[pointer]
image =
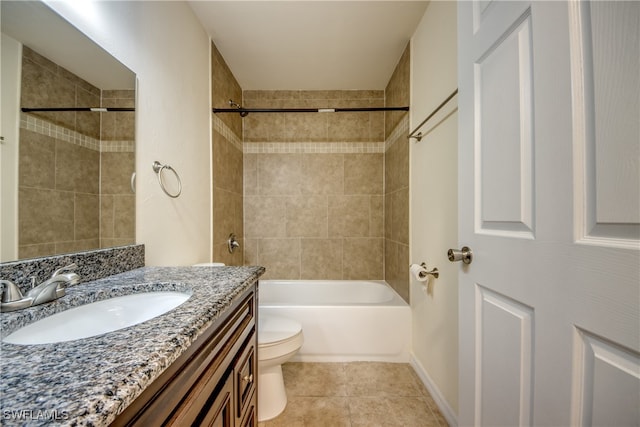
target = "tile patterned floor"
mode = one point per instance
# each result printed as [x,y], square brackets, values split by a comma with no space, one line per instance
[357,394]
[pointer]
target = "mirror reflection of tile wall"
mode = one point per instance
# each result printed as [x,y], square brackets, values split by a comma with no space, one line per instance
[62,154]
[117,162]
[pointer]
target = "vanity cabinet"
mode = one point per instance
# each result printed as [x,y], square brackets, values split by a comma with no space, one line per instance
[213,383]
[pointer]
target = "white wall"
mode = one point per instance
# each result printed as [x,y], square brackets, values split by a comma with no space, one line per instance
[167,48]
[433,205]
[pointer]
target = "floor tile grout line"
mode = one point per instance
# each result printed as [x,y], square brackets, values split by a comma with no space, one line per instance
[340,372]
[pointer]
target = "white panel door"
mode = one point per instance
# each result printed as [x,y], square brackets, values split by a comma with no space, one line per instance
[549,202]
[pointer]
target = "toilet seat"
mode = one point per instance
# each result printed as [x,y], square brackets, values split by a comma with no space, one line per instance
[273,329]
[277,337]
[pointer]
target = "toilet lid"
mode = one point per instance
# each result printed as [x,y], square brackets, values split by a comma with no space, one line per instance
[272,329]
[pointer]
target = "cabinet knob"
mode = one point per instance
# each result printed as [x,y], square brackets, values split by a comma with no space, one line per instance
[248,378]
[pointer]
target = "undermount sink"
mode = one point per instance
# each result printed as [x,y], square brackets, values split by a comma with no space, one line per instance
[97,318]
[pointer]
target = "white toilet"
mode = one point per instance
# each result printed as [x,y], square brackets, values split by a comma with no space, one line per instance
[279,339]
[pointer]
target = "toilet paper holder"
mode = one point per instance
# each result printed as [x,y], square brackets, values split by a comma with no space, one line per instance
[422,274]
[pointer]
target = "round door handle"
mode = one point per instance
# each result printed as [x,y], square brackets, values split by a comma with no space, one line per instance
[465,255]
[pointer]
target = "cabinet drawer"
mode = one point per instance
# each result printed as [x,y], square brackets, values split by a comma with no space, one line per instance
[246,375]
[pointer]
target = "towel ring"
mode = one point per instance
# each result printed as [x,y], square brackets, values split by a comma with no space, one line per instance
[158,168]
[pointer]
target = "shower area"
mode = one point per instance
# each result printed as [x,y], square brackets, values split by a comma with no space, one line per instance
[313,195]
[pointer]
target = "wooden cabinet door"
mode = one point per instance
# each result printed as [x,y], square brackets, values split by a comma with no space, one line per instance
[220,412]
[250,419]
[246,374]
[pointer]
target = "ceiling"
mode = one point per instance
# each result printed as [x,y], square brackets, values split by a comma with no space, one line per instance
[269,45]
[310,45]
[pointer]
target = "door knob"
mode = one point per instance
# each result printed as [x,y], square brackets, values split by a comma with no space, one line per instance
[465,255]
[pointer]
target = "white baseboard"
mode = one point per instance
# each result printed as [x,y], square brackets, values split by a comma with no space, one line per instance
[447,412]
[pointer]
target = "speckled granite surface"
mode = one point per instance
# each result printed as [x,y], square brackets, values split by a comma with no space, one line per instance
[92,265]
[90,381]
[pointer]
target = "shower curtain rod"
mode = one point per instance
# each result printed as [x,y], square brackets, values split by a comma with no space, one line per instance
[244,111]
[93,109]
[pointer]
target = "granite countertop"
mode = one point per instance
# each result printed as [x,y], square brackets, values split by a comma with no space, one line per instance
[90,381]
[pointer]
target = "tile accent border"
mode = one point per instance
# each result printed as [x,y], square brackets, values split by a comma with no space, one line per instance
[117,146]
[43,127]
[399,133]
[313,147]
[226,132]
[295,147]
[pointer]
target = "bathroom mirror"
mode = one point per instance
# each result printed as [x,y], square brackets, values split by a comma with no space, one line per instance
[67,176]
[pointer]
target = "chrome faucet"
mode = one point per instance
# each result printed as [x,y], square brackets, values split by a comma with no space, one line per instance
[49,290]
[53,288]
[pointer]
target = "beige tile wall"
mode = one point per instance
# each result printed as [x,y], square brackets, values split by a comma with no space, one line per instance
[58,196]
[63,89]
[314,215]
[396,193]
[314,127]
[120,125]
[60,207]
[397,92]
[224,87]
[117,201]
[228,208]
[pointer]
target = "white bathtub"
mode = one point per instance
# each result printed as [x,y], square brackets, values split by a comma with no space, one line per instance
[342,320]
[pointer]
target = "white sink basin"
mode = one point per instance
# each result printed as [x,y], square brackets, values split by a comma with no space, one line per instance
[97,318]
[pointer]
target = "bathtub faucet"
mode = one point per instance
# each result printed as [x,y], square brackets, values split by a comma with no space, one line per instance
[232,243]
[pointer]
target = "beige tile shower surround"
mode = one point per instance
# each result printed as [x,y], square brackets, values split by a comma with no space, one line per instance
[61,206]
[396,179]
[357,394]
[228,204]
[326,195]
[314,212]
